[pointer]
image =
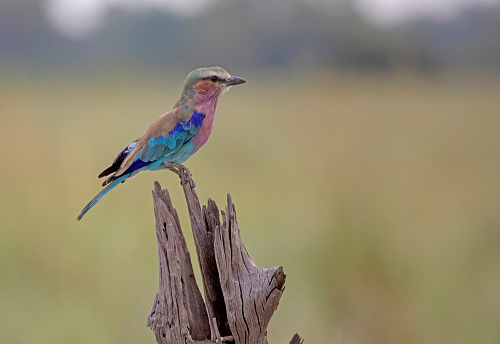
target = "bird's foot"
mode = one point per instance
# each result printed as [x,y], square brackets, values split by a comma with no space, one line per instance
[183,173]
[186,176]
[172,167]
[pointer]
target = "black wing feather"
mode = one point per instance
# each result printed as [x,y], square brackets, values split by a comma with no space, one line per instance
[118,160]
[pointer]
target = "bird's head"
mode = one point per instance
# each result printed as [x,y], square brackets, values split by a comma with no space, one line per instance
[208,84]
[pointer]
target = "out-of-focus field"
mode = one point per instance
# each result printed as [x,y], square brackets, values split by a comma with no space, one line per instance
[380,196]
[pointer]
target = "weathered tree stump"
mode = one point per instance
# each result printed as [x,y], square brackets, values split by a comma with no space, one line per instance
[240,297]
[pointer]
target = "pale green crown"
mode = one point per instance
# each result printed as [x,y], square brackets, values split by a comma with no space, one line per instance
[199,74]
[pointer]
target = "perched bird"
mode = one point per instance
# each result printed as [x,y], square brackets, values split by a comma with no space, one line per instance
[176,135]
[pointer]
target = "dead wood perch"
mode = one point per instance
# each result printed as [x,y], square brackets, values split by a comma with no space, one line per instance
[240,297]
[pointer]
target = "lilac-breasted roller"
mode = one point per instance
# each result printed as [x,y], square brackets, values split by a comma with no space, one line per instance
[176,135]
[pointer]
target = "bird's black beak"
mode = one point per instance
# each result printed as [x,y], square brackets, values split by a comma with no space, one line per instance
[234,80]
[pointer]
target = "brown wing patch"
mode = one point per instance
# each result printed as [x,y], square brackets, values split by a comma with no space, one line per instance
[161,127]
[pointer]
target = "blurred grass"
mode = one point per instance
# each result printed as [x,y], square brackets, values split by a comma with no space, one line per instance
[378,194]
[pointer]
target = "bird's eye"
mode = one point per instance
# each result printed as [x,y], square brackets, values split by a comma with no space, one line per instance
[214,78]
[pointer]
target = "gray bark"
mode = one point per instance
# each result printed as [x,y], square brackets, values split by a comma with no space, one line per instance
[240,297]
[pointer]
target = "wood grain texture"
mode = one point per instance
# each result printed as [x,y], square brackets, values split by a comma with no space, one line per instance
[240,297]
[296,339]
[203,224]
[178,314]
[251,293]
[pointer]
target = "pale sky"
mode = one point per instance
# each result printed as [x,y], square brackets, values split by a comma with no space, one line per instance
[393,11]
[79,18]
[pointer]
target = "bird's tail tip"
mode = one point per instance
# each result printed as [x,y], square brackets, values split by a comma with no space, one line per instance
[84,211]
[100,195]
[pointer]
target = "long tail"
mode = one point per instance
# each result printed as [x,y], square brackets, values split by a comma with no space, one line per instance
[101,194]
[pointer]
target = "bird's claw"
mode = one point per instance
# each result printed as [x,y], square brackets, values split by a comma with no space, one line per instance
[171,167]
[186,176]
[183,173]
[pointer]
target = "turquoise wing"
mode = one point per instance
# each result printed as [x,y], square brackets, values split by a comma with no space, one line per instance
[165,147]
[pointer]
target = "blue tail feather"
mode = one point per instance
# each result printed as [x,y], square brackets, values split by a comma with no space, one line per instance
[101,194]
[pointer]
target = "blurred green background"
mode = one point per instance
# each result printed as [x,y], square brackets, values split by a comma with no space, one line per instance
[362,155]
